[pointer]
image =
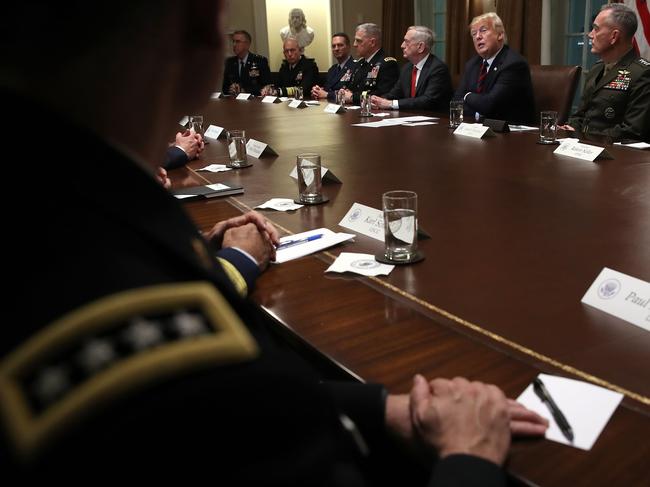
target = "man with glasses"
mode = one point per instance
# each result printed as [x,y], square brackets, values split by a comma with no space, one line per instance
[298,74]
[245,72]
[424,83]
[496,82]
[616,97]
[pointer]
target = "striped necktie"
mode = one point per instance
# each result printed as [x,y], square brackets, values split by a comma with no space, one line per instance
[481,77]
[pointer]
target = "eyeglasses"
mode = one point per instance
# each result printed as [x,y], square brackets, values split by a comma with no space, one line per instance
[475,33]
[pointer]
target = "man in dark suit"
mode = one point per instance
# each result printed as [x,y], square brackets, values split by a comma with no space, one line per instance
[496,83]
[245,72]
[130,351]
[297,71]
[375,73]
[340,73]
[424,83]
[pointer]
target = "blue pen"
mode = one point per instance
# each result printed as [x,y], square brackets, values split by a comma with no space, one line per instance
[291,243]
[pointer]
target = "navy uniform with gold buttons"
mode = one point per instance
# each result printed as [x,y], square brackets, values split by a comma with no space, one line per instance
[255,74]
[304,75]
[615,103]
[377,76]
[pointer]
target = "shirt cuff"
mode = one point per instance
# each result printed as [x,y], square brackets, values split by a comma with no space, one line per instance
[465,97]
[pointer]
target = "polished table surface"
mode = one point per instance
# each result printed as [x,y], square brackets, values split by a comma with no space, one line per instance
[518,234]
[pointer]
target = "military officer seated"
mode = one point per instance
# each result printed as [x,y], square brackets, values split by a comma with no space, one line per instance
[245,72]
[298,74]
[616,95]
[375,72]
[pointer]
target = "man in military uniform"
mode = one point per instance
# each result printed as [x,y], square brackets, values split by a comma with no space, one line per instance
[128,351]
[375,73]
[245,72]
[297,71]
[616,95]
[340,73]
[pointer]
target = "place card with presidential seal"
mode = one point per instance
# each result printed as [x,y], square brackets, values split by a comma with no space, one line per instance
[474,130]
[364,264]
[256,149]
[578,150]
[620,295]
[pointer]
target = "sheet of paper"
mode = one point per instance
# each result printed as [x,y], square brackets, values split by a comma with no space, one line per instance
[586,407]
[522,128]
[364,264]
[215,168]
[417,124]
[280,204]
[328,239]
[183,196]
[635,145]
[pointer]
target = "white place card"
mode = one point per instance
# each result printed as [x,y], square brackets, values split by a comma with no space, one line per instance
[474,130]
[280,204]
[620,295]
[297,104]
[365,220]
[183,121]
[578,150]
[244,96]
[215,96]
[270,99]
[364,264]
[587,408]
[325,175]
[256,148]
[213,132]
[334,108]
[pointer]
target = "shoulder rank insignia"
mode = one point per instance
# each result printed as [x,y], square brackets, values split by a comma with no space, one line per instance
[621,82]
[389,59]
[110,348]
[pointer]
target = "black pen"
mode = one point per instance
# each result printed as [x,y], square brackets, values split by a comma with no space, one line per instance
[542,393]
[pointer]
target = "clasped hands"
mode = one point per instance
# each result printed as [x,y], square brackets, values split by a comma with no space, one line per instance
[250,232]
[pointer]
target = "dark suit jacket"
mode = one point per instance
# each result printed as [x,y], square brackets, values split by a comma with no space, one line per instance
[175,157]
[337,78]
[254,76]
[262,421]
[432,92]
[507,93]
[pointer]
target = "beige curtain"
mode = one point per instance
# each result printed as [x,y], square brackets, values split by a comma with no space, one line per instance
[397,16]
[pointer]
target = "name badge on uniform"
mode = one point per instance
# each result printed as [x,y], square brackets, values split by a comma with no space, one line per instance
[621,82]
[299,76]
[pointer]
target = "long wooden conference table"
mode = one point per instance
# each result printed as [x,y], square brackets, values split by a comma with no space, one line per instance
[518,234]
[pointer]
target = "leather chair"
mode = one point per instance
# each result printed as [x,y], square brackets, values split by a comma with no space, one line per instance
[554,88]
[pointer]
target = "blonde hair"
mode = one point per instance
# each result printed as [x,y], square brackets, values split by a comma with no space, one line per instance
[496,21]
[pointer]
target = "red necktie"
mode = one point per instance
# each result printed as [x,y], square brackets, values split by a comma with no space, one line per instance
[414,77]
[481,77]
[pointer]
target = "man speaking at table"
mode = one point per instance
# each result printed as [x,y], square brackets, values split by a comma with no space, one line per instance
[424,83]
[127,353]
[496,83]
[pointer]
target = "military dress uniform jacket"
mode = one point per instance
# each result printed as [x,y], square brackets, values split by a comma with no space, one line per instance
[254,75]
[432,91]
[128,352]
[304,74]
[507,90]
[338,78]
[377,76]
[616,104]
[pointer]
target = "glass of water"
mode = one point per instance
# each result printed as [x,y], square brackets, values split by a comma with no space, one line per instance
[400,225]
[237,148]
[365,105]
[455,113]
[309,178]
[548,127]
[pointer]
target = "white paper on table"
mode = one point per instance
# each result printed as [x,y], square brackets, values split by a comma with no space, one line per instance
[381,114]
[635,145]
[417,124]
[353,107]
[328,239]
[521,128]
[280,204]
[183,196]
[586,407]
[371,124]
[312,102]
[215,168]
[364,264]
